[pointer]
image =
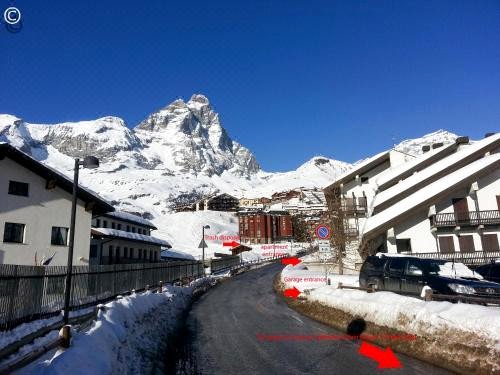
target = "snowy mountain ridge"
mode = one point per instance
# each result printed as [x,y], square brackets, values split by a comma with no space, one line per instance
[176,155]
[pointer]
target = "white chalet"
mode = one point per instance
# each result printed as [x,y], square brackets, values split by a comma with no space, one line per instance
[35,212]
[121,237]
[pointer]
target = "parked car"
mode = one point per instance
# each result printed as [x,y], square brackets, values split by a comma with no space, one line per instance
[490,271]
[409,275]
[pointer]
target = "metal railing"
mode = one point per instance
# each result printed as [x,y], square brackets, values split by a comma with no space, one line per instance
[475,258]
[217,265]
[472,218]
[34,292]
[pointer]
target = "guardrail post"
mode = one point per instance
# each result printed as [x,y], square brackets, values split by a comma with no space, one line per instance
[65,336]
[339,286]
[428,295]
[160,286]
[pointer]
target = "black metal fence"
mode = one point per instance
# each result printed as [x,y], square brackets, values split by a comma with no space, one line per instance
[475,258]
[222,264]
[35,292]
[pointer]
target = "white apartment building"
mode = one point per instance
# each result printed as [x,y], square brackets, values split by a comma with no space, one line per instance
[451,206]
[35,212]
[381,191]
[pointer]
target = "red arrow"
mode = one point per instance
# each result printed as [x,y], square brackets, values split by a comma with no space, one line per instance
[292,293]
[385,358]
[293,261]
[232,244]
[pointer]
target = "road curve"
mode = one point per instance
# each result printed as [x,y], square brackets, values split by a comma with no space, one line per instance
[224,324]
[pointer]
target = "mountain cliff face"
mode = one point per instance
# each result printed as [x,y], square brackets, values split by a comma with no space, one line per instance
[190,135]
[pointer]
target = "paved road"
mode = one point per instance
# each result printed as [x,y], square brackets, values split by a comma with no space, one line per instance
[222,329]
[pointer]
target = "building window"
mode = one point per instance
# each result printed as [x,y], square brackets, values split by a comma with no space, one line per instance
[131,252]
[446,244]
[156,256]
[133,229]
[119,226]
[13,232]
[18,188]
[125,252]
[104,223]
[466,243]
[403,245]
[98,223]
[140,254]
[490,242]
[128,228]
[59,236]
[118,254]
[364,180]
[113,225]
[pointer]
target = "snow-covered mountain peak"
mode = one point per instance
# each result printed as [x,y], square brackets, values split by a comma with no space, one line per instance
[188,137]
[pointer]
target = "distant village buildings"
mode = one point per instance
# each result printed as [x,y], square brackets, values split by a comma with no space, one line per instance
[217,202]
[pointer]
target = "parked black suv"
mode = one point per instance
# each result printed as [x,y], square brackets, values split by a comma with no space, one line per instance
[408,275]
[490,271]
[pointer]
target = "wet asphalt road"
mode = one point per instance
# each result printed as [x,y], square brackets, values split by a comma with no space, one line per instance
[221,336]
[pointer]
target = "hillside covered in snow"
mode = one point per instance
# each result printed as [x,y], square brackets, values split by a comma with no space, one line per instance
[176,155]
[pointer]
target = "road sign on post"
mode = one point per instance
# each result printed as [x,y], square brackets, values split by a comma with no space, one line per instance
[203,244]
[323,232]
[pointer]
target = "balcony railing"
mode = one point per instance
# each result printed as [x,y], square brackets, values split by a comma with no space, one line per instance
[473,218]
[353,208]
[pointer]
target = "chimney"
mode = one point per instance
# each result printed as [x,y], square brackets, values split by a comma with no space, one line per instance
[437,145]
[462,140]
[426,148]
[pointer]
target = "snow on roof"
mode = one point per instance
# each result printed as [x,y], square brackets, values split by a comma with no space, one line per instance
[131,217]
[434,169]
[129,236]
[176,254]
[398,170]
[361,165]
[429,192]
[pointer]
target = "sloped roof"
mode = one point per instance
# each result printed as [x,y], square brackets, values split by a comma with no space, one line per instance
[401,171]
[429,194]
[48,173]
[131,218]
[362,167]
[441,168]
[136,237]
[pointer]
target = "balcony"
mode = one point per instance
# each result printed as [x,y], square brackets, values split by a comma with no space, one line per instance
[351,207]
[473,218]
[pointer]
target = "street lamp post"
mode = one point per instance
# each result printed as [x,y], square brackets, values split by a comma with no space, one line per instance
[203,245]
[90,162]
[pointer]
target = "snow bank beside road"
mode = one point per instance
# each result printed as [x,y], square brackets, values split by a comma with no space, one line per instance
[471,331]
[128,337]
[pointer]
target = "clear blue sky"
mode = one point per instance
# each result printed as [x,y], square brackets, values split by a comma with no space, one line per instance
[291,79]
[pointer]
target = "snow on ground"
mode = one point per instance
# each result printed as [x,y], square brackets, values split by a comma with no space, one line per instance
[306,277]
[128,337]
[415,316]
